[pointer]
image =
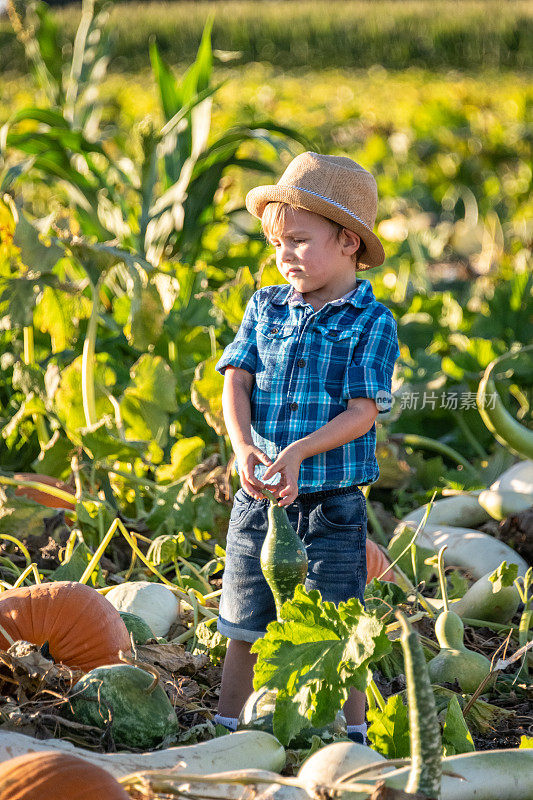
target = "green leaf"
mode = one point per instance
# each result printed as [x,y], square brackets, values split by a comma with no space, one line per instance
[73,569]
[97,258]
[184,456]
[505,575]
[381,597]
[147,316]
[314,657]
[148,400]
[103,445]
[166,548]
[40,258]
[206,393]
[471,357]
[54,458]
[233,298]
[153,382]
[28,379]
[49,41]
[31,405]
[22,517]
[58,313]
[456,738]
[19,295]
[68,398]
[388,731]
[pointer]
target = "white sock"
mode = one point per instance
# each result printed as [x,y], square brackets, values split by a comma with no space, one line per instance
[228,722]
[362,728]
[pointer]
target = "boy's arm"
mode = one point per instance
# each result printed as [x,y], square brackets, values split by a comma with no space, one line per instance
[345,427]
[236,407]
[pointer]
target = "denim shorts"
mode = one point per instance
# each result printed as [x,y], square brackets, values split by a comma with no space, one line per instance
[332,526]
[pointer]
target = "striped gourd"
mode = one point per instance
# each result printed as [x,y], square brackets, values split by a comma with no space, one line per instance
[283,556]
[424,731]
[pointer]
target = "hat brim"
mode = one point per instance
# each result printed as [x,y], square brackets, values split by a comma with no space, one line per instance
[257,198]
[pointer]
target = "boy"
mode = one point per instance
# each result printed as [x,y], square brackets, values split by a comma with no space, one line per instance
[308,372]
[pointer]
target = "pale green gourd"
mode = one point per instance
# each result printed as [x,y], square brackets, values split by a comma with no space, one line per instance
[455,662]
[283,557]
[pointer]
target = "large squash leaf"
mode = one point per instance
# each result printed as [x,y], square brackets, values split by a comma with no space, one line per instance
[314,657]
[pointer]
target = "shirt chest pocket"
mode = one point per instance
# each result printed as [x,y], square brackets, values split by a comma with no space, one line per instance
[335,347]
[275,342]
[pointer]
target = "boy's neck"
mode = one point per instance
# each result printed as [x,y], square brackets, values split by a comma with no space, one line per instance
[318,300]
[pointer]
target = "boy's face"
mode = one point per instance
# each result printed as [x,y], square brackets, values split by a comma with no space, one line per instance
[311,258]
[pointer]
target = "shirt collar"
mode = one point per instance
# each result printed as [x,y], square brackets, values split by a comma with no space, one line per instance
[359,297]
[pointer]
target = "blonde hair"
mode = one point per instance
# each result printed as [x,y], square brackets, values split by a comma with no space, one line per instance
[273,220]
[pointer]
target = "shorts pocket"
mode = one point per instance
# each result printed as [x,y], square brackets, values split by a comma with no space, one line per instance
[343,512]
[242,504]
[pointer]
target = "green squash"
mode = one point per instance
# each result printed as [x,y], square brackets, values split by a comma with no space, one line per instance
[283,557]
[141,716]
[139,630]
[455,662]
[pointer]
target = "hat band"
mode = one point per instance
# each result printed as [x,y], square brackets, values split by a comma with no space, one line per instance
[333,202]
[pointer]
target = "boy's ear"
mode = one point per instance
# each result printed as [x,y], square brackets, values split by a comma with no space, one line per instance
[350,241]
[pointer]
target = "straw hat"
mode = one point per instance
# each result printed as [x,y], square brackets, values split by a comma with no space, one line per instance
[333,186]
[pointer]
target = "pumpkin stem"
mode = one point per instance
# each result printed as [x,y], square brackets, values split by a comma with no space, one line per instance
[134,662]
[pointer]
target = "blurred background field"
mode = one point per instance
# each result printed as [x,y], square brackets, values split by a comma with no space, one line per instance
[470,35]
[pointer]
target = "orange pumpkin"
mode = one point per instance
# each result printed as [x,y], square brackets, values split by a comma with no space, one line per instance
[376,563]
[44,499]
[50,775]
[82,628]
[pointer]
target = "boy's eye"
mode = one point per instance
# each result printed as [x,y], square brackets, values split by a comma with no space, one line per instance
[275,243]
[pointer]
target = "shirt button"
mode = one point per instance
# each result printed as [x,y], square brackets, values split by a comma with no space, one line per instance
[301,362]
[294,406]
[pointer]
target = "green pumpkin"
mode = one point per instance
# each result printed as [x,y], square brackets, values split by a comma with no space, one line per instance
[140,717]
[283,557]
[140,631]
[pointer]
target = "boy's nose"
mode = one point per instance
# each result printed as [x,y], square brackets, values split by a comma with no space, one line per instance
[285,253]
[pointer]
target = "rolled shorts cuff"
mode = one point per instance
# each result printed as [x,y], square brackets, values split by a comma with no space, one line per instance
[232,631]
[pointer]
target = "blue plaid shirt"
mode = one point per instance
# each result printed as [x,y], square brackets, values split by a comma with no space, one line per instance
[307,364]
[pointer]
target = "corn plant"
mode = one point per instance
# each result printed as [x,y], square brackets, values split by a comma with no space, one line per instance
[159,206]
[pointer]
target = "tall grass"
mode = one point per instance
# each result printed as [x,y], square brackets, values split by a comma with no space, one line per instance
[432,34]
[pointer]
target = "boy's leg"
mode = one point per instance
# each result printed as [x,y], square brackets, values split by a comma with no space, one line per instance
[335,542]
[354,708]
[237,678]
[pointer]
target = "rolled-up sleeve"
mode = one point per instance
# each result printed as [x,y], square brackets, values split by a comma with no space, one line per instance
[369,373]
[242,351]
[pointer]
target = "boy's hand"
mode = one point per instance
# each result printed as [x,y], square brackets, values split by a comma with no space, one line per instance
[249,456]
[288,465]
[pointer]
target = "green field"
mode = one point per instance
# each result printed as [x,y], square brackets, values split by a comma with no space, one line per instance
[343,33]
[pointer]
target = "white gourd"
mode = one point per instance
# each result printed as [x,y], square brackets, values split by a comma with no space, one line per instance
[461,509]
[240,750]
[472,550]
[153,602]
[502,504]
[518,478]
